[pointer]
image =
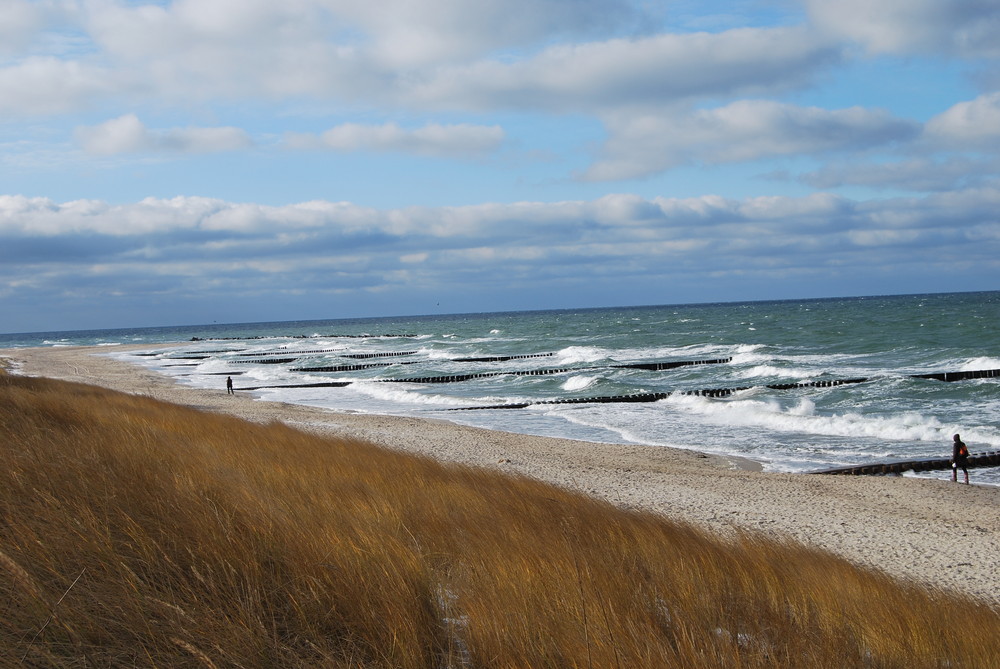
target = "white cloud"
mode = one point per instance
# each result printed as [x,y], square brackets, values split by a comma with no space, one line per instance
[202,140]
[917,174]
[959,27]
[49,85]
[127,134]
[395,33]
[210,49]
[623,73]
[747,130]
[20,21]
[148,31]
[973,125]
[459,140]
[405,34]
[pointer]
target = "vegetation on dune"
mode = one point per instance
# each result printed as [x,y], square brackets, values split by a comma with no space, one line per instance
[139,533]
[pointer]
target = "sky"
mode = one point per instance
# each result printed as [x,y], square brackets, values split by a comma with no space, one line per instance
[199,161]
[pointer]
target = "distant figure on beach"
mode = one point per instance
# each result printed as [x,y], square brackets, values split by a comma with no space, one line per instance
[959,458]
[229,385]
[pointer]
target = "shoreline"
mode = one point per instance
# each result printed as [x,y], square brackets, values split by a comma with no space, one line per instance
[934,532]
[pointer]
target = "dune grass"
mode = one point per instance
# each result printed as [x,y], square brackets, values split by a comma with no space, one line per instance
[139,533]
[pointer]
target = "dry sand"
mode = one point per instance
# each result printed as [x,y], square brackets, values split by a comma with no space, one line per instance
[936,532]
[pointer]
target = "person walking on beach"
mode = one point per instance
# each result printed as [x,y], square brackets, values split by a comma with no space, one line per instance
[229,385]
[959,458]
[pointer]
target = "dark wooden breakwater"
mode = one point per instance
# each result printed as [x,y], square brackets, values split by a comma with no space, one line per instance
[960,376]
[991,459]
[318,384]
[655,397]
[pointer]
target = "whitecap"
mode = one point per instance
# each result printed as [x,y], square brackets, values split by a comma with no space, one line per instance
[575,383]
[580,354]
[977,364]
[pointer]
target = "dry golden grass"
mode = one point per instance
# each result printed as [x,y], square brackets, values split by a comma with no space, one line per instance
[138,533]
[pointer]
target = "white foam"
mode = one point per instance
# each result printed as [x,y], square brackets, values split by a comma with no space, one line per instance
[598,429]
[436,354]
[762,371]
[668,352]
[581,354]
[751,355]
[977,364]
[802,418]
[575,383]
[805,407]
[393,392]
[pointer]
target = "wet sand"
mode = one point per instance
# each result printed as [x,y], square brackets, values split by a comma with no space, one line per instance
[935,532]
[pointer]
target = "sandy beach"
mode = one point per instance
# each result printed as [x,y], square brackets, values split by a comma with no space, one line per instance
[935,532]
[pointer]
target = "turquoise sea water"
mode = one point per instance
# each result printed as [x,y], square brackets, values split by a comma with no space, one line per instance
[396,365]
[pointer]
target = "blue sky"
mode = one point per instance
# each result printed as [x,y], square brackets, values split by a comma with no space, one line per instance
[248,160]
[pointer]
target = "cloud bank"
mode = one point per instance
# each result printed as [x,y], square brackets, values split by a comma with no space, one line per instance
[58,253]
[127,134]
[458,141]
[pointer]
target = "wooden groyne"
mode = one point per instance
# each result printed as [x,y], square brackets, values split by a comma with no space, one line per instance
[352,368]
[991,459]
[313,336]
[319,384]
[673,364]
[384,354]
[504,358]
[454,378]
[261,354]
[960,376]
[656,397]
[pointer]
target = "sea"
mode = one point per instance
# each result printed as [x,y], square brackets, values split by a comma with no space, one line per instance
[796,385]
